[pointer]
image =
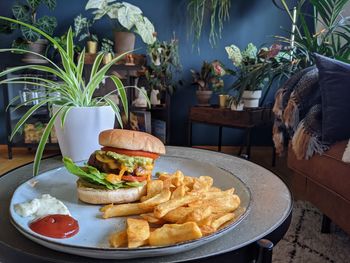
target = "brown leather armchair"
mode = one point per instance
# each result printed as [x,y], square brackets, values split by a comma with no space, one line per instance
[324,180]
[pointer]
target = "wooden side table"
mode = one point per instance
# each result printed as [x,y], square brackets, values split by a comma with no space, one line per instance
[246,119]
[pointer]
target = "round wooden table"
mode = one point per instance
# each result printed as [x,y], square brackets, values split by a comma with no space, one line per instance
[269,216]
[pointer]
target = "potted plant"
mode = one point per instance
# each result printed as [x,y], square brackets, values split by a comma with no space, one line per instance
[127,20]
[30,39]
[208,79]
[164,62]
[82,27]
[107,50]
[77,115]
[202,11]
[256,69]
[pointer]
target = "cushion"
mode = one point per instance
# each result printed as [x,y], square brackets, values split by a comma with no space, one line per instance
[334,81]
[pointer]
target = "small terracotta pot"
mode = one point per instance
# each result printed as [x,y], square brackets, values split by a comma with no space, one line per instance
[91,47]
[124,42]
[39,46]
[203,97]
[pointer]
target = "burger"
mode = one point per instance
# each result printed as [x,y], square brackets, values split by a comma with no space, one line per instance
[119,171]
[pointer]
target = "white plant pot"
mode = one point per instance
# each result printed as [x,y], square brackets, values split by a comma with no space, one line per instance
[251,98]
[79,136]
[237,107]
[154,97]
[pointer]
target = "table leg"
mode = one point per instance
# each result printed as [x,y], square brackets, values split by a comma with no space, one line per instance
[220,138]
[265,251]
[189,139]
[248,142]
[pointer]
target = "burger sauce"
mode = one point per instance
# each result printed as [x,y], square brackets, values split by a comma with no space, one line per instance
[55,226]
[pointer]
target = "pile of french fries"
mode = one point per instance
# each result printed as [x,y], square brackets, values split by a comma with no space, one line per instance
[176,208]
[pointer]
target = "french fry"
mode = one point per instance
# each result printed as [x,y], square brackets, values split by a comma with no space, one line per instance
[154,187]
[170,234]
[216,223]
[137,231]
[150,218]
[162,209]
[188,181]
[123,210]
[177,178]
[163,176]
[105,207]
[167,184]
[214,189]
[206,230]
[162,197]
[196,215]
[225,204]
[180,191]
[177,214]
[217,194]
[118,239]
[202,183]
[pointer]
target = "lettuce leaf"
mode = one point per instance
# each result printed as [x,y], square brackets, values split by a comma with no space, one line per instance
[90,174]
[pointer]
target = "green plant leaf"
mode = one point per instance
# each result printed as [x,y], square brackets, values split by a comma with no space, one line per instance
[43,140]
[51,4]
[26,116]
[21,12]
[116,110]
[34,3]
[80,65]
[47,24]
[29,34]
[121,91]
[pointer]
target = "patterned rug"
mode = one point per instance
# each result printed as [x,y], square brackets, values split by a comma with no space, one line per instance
[305,243]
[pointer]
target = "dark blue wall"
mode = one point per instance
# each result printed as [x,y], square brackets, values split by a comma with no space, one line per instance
[251,21]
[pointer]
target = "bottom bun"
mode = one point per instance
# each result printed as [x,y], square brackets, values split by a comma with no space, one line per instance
[104,196]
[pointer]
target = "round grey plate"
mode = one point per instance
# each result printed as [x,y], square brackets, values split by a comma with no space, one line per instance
[92,239]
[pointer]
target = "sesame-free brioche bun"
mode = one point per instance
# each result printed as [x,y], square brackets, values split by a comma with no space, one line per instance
[98,196]
[131,140]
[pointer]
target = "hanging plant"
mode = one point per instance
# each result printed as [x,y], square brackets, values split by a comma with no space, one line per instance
[199,11]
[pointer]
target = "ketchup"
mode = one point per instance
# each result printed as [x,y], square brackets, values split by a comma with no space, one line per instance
[56,226]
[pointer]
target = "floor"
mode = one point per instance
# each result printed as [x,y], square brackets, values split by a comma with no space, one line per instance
[259,155]
[21,156]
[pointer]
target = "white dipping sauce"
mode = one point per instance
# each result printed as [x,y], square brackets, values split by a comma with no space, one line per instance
[38,207]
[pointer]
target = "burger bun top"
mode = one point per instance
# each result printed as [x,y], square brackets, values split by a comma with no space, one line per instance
[131,140]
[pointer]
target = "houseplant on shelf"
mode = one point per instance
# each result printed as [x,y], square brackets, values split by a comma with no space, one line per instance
[30,39]
[107,50]
[82,27]
[207,80]
[127,19]
[215,11]
[256,70]
[77,116]
[164,62]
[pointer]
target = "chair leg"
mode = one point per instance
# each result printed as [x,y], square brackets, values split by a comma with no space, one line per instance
[326,225]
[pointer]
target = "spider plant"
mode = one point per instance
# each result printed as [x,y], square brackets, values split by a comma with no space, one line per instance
[329,35]
[74,91]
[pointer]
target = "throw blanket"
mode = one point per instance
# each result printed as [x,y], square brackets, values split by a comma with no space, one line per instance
[298,115]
